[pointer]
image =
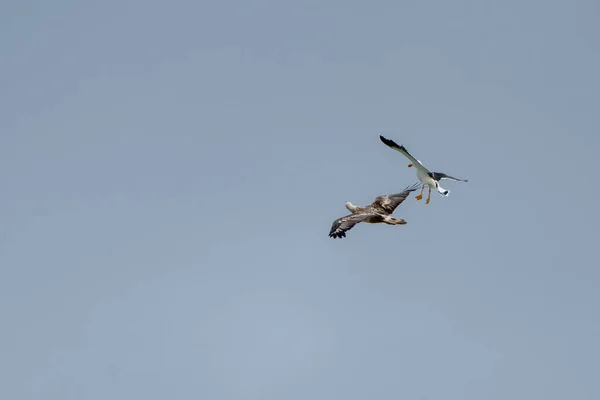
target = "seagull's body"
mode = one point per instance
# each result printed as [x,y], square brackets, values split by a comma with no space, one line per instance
[377,212]
[427,178]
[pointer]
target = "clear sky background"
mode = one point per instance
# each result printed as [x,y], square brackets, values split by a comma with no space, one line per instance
[170,172]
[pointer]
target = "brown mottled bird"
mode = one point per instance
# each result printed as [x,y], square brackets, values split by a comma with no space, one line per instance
[377,212]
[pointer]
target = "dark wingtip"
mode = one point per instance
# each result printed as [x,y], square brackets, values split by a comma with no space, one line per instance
[386,141]
[413,187]
[338,235]
[391,143]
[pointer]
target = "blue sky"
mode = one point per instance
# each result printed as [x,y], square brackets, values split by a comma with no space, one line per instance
[170,173]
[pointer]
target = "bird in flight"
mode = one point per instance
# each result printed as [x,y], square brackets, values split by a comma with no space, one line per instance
[377,212]
[427,178]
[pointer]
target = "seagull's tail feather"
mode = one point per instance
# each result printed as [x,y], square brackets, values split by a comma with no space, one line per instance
[442,191]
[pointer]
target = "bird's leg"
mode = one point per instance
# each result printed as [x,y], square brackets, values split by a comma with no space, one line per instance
[420,196]
[429,196]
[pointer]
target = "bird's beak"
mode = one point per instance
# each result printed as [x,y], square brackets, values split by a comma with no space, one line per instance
[409,165]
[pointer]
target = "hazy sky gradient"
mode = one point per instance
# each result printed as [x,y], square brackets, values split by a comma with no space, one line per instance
[170,172]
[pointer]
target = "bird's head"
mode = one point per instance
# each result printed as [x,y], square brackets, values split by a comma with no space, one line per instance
[351,207]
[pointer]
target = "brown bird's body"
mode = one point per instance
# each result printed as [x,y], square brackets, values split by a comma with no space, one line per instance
[377,212]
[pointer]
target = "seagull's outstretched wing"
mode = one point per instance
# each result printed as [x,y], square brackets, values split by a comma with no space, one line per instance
[389,202]
[341,225]
[440,175]
[390,143]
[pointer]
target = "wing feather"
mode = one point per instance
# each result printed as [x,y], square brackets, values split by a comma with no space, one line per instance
[341,225]
[440,175]
[390,202]
[391,144]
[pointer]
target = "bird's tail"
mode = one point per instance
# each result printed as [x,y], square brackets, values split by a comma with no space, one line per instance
[442,191]
[395,221]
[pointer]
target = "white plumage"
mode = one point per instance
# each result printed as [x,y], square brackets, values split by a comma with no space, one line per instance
[427,178]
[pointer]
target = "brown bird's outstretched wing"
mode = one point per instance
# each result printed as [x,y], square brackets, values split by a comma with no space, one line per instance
[389,202]
[341,225]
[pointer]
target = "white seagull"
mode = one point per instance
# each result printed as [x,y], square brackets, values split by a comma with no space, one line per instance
[431,179]
[377,212]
